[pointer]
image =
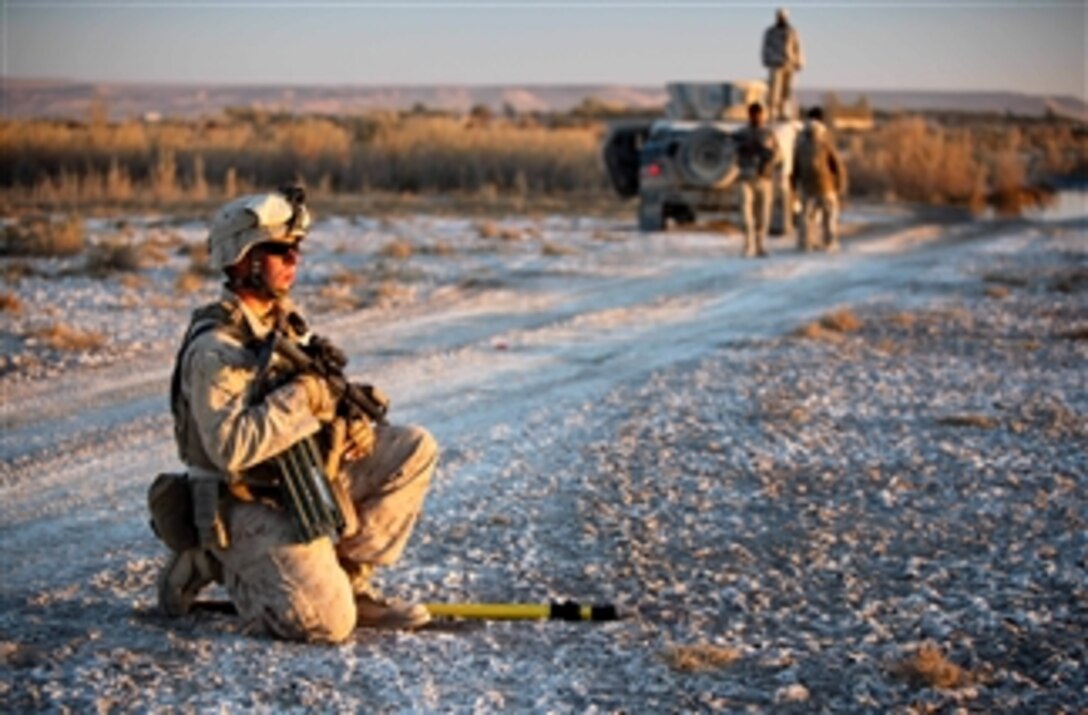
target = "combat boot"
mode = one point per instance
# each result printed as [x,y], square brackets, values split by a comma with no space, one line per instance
[375,611]
[182,579]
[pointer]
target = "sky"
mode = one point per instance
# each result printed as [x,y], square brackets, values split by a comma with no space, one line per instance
[999,45]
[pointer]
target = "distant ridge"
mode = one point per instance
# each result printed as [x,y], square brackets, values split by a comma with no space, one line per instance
[28,98]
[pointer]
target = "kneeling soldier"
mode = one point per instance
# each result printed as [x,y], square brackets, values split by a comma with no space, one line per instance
[253,430]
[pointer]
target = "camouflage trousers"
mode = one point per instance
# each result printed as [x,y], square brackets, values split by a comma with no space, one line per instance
[825,207]
[779,92]
[301,591]
[756,197]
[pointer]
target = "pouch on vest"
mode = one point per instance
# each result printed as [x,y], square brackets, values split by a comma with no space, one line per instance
[171,504]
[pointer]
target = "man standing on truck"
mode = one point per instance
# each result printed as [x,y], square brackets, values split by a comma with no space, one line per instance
[820,175]
[757,156]
[782,57]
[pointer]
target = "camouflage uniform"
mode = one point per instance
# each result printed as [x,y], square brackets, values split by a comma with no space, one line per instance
[782,57]
[820,175]
[230,429]
[297,591]
[757,156]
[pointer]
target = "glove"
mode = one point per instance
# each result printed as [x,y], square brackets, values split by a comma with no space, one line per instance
[360,438]
[319,396]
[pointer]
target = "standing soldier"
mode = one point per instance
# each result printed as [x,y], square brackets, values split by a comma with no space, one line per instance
[820,175]
[782,57]
[230,519]
[757,155]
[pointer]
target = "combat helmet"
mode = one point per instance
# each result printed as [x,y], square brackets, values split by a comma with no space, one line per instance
[238,226]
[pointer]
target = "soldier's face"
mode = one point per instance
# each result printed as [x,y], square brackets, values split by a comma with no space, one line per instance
[279,262]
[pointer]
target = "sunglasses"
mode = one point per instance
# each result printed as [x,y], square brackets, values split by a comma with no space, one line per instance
[279,249]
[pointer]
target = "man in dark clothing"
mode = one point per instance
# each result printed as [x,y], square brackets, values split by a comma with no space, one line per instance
[757,156]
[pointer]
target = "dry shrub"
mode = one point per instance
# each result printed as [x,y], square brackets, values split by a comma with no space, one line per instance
[133,281]
[969,419]
[399,249]
[815,331]
[344,277]
[550,248]
[10,303]
[1007,279]
[902,320]
[438,248]
[1071,281]
[188,282]
[912,159]
[487,229]
[112,257]
[1007,180]
[338,296]
[701,657]
[602,235]
[17,270]
[62,337]
[199,260]
[43,237]
[841,321]
[927,667]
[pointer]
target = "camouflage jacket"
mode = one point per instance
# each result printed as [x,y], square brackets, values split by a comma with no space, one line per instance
[817,168]
[222,422]
[782,48]
[757,152]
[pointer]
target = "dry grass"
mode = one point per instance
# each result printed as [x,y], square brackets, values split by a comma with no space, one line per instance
[1006,279]
[831,327]
[701,657]
[438,248]
[902,320]
[198,259]
[188,282]
[487,229]
[399,249]
[491,230]
[550,248]
[15,271]
[927,667]
[195,162]
[1071,281]
[63,337]
[112,257]
[10,303]
[43,237]
[841,321]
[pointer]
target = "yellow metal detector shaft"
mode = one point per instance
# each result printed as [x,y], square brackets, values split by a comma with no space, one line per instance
[566,611]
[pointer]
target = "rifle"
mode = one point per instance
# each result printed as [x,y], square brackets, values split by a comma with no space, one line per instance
[314,489]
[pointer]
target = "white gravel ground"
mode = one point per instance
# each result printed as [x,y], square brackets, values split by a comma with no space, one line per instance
[786,518]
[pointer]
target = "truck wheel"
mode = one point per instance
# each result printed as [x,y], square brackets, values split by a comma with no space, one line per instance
[651,217]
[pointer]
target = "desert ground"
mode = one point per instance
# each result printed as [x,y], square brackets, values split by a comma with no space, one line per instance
[811,483]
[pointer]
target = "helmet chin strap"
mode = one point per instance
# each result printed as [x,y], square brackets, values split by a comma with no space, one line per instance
[253,280]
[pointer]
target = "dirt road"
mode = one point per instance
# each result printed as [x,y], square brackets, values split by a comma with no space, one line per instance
[595,412]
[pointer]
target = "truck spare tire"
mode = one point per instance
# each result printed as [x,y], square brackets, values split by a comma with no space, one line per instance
[706,157]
